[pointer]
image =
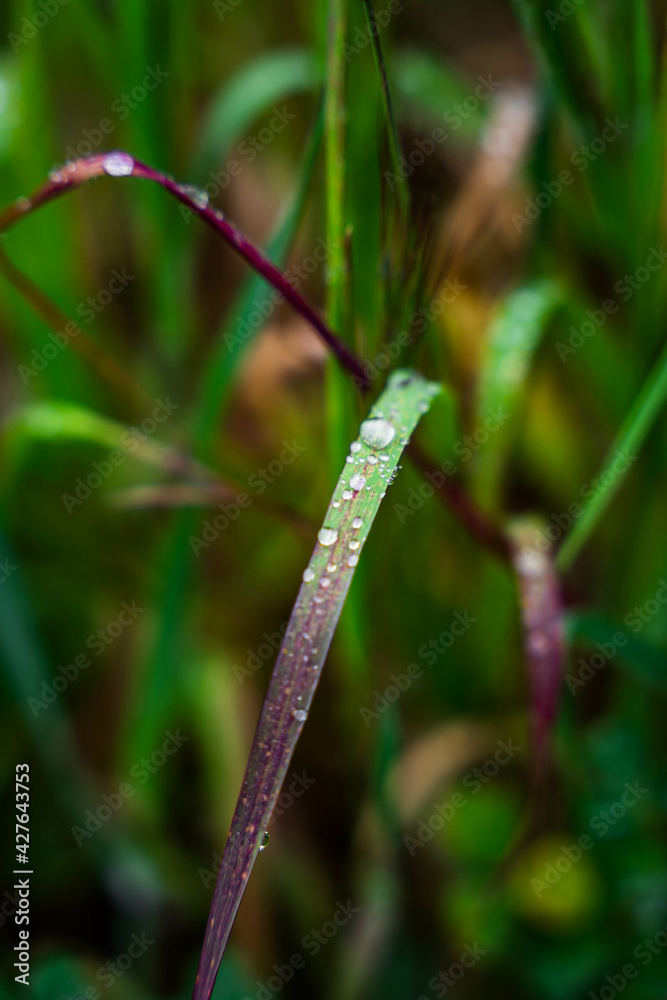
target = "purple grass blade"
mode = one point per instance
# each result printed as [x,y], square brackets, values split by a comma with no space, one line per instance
[355,502]
[543,634]
[119,164]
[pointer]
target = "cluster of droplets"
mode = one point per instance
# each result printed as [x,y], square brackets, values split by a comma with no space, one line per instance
[376,433]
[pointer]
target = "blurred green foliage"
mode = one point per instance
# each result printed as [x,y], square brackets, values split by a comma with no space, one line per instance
[540,249]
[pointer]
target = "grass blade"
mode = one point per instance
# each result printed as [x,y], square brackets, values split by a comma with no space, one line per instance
[513,340]
[247,95]
[355,502]
[119,164]
[543,634]
[637,424]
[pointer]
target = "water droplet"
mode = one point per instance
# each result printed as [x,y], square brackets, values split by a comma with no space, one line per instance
[327,536]
[372,460]
[354,545]
[352,561]
[57,176]
[336,503]
[349,459]
[384,458]
[357,523]
[308,575]
[382,496]
[117,164]
[200,198]
[358,482]
[377,433]
[318,599]
[331,568]
[347,494]
[355,447]
[265,841]
[325,581]
[300,715]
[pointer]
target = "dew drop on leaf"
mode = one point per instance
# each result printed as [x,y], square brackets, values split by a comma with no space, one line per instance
[327,536]
[377,433]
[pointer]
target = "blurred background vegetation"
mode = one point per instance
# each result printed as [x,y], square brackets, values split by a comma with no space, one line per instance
[544,201]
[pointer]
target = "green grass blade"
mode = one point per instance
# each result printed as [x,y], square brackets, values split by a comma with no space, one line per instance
[335,116]
[513,339]
[355,502]
[627,443]
[395,149]
[248,94]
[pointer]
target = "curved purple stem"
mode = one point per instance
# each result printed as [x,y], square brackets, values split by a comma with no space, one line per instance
[119,164]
